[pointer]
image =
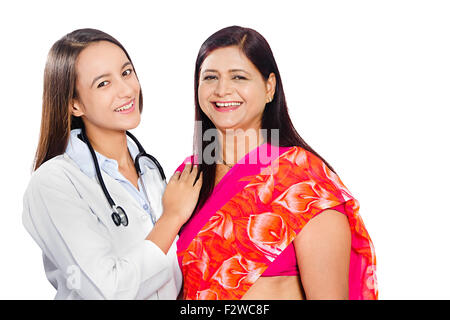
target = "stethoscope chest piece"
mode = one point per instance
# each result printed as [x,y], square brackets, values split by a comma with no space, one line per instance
[119,217]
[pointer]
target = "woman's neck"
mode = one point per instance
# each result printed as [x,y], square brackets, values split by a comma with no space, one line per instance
[237,143]
[112,144]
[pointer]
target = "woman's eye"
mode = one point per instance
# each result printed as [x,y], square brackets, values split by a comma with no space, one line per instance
[102,84]
[209,78]
[127,72]
[239,78]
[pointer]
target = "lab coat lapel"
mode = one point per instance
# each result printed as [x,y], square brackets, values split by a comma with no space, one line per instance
[155,189]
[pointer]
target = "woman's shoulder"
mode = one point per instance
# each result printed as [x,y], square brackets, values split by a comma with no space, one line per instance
[297,166]
[296,154]
[296,158]
[53,172]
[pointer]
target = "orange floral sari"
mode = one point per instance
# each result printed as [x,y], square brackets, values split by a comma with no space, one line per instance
[254,213]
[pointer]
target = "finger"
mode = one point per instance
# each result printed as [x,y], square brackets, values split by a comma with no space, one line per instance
[186,171]
[193,174]
[175,176]
[199,182]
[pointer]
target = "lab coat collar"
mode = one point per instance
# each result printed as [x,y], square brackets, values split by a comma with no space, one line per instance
[79,152]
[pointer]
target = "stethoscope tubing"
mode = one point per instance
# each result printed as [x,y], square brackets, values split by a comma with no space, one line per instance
[97,170]
[119,215]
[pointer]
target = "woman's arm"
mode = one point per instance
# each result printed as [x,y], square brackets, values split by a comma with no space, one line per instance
[323,255]
[73,239]
[179,200]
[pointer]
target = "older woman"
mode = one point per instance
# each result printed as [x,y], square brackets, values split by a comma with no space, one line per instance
[273,220]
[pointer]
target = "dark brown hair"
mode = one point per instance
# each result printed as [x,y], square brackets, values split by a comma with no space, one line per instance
[275,115]
[60,91]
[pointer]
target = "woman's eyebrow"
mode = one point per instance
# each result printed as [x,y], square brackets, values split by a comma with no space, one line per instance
[230,71]
[99,77]
[209,70]
[108,74]
[239,70]
[125,64]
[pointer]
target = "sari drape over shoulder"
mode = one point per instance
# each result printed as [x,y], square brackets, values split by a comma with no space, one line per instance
[255,212]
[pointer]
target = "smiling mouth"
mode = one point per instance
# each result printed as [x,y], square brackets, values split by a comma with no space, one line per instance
[226,105]
[127,107]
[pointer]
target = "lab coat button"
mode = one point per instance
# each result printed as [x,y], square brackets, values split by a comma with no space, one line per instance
[145,207]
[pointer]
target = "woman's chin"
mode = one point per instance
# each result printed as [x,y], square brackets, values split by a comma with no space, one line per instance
[230,124]
[130,124]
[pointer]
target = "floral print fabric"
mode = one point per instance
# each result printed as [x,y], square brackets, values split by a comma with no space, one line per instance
[245,235]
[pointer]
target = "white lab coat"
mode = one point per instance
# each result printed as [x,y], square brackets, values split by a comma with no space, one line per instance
[86,256]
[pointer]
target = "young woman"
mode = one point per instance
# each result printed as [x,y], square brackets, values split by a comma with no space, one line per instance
[95,202]
[273,220]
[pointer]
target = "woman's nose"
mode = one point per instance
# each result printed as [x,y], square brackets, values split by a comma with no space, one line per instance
[125,89]
[223,88]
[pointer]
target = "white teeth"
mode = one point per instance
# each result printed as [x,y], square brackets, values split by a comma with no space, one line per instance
[228,104]
[128,106]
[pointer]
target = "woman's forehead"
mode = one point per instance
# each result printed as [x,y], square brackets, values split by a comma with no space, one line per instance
[98,58]
[227,59]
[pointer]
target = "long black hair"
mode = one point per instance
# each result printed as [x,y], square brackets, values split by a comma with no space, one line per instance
[275,115]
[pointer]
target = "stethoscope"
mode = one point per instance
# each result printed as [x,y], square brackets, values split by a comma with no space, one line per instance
[119,215]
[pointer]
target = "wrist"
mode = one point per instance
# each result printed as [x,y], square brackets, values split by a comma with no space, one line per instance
[174,220]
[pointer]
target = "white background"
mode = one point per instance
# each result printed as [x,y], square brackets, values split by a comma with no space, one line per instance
[367,85]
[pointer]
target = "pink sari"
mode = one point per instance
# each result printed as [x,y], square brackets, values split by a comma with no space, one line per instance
[254,213]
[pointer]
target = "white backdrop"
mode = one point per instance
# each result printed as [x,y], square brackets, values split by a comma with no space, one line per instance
[367,85]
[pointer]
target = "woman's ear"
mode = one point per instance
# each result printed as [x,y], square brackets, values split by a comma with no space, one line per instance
[76,108]
[271,84]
